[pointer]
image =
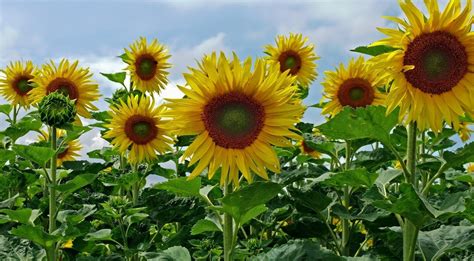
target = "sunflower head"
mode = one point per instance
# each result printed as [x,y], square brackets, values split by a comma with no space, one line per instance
[70,80]
[17,83]
[148,65]
[68,152]
[354,86]
[137,127]
[122,95]
[57,110]
[292,54]
[470,168]
[237,114]
[432,66]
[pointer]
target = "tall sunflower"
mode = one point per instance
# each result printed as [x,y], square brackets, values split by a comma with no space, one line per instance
[137,126]
[237,115]
[148,64]
[356,86]
[293,54]
[69,79]
[70,150]
[433,68]
[16,85]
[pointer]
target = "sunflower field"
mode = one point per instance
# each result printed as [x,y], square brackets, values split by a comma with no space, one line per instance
[389,175]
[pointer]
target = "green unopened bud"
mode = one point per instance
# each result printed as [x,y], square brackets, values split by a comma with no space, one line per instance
[57,110]
[123,95]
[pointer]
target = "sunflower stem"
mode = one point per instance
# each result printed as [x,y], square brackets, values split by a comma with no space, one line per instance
[52,194]
[15,114]
[228,231]
[410,231]
[345,203]
[135,187]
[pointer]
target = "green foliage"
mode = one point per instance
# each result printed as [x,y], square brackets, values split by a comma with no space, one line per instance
[38,155]
[116,77]
[374,50]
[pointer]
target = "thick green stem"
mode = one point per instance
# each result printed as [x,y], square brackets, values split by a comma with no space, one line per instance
[52,194]
[410,231]
[135,187]
[345,202]
[228,230]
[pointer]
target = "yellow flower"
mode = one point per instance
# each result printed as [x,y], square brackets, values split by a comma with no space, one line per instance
[464,132]
[69,152]
[470,167]
[67,244]
[433,68]
[148,64]
[16,85]
[305,149]
[356,86]
[69,79]
[398,165]
[237,115]
[137,125]
[294,55]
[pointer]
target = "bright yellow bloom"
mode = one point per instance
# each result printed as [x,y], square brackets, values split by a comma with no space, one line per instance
[294,55]
[69,152]
[470,167]
[137,126]
[237,115]
[69,79]
[433,68]
[148,64]
[16,85]
[464,131]
[356,86]
[67,244]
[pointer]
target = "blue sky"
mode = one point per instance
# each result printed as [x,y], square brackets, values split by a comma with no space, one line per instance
[95,32]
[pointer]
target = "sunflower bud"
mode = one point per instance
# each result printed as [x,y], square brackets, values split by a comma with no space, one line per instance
[123,95]
[57,110]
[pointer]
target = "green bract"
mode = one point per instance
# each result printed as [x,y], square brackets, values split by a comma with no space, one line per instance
[57,110]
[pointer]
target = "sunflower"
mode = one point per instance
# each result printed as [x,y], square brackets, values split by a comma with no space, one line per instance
[69,151]
[137,125]
[305,149]
[16,86]
[464,131]
[147,65]
[433,68]
[294,55]
[470,168]
[356,86]
[237,115]
[68,79]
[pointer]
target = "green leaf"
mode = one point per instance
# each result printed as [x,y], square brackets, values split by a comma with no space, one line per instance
[116,77]
[103,116]
[177,253]
[252,213]
[238,203]
[22,127]
[99,235]
[452,204]
[374,50]
[306,195]
[39,155]
[369,213]
[353,178]
[76,183]
[204,225]
[446,239]
[5,156]
[181,186]
[6,109]
[136,217]
[23,215]
[365,122]
[386,176]
[35,234]
[462,156]
[298,250]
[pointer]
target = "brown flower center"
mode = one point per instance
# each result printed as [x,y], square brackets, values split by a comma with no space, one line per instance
[233,120]
[355,92]
[290,60]
[64,86]
[22,85]
[306,148]
[440,62]
[141,129]
[63,153]
[146,67]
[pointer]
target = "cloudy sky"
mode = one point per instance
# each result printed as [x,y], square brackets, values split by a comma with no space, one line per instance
[95,32]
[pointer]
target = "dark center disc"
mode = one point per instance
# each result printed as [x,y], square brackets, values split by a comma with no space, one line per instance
[306,148]
[146,66]
[140,129]
[440,62]
[233,120]
[290,60]
[356,92]
[63,153]
[22,85]
[64,86]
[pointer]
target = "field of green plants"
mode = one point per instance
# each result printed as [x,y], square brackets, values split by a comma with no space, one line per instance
[389,175]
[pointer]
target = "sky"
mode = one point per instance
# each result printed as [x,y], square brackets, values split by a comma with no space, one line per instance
[96,32]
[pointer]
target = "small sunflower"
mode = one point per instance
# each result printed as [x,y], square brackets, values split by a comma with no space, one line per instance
[305,149]
[148,65]
[356,86]
[69,152]
[294,55]
[470,168]
[16,85]
[137,125]
[237,115]
[433,68]
[69,79]
[464,131]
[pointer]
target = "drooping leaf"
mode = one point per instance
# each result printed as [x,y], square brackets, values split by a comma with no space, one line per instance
[5,109]
[181,186]
[76,183]
[204,225]
[22,215]
[99,235]
[374,50]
